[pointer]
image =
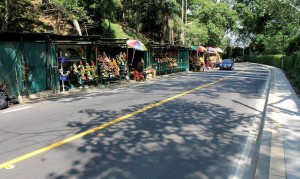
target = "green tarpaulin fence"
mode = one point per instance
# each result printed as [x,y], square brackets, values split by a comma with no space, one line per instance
[11,67]
[167,61]
[27,68]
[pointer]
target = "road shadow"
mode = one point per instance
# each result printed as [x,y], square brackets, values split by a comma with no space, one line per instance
[176,140]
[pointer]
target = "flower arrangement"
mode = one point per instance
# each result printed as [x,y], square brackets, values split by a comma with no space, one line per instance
[84,72]
[108,67]
[138,76]
[121,59]
[112,67]
[116,67]
[93,69]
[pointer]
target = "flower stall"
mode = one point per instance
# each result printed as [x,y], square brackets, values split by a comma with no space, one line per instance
[112,69]
[138,60]
[196,58]
[169,59]
[91,60]
[112,60]
[79,67]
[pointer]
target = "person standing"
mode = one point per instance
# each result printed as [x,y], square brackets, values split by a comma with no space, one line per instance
[206,63]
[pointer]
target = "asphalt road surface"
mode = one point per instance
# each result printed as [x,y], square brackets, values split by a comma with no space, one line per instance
[194,125]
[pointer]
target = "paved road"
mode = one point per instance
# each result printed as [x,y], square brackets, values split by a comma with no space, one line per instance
[195,125]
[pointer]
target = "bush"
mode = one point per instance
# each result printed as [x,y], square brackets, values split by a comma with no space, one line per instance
[272,60]
[291,63]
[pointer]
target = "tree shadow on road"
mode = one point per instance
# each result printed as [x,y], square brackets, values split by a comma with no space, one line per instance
[176,140]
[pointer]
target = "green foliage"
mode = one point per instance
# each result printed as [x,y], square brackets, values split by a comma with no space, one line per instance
[196,34]
[215,19]
[259,24]
[272,60]
[264,23]
[292,67]
[17,15]
[65,9]
[291,63]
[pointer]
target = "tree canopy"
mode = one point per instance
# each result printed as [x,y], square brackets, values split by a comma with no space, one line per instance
[259,25]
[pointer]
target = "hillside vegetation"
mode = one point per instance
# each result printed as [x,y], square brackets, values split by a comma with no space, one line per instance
[261,26]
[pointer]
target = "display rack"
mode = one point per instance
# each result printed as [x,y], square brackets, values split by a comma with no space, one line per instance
[62,77]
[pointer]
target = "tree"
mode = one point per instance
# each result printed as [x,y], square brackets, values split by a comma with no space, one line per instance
[196,34]
[266,24]
[218,19]
[17,15]
[63,11]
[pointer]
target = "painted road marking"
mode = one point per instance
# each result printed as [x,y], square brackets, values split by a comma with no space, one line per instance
[114,121]
[70,99]
[19,109]
[91,94]
[64,100]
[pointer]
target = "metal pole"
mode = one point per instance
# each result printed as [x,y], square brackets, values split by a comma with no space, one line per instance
[282,60]
[243,54]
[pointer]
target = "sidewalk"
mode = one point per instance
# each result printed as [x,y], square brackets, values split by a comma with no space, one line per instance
[280,144]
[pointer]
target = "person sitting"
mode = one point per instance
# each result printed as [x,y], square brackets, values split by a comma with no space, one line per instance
[3,97]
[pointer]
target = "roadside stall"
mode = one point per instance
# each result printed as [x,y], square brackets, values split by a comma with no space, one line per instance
[75,66]
[91,61]
[112,60]
[137,60]
[168,59]
[213,57]
[196,58]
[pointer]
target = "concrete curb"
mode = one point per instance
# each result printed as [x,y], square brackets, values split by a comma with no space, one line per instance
[276,158]
[248,162]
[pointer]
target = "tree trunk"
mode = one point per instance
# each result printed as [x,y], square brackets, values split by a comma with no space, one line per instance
[186,11]
[57,23]
[164,22]
[182,35]
[184,40]
[182,9]
[138,19]
[172,37]
[77,27]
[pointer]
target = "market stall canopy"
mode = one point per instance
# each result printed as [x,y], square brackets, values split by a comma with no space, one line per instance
[199,48]
[137,45]
[211,50]
[219,50]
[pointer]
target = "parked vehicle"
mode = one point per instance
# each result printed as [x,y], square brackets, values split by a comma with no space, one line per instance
[227,64]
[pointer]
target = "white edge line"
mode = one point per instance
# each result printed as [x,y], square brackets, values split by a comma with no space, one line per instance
[19,109]
[92,94]
[63,100]
[251,139]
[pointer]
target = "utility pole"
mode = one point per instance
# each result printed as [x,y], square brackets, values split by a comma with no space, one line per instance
[185,20]
[282,29]
[282,60]
[182,18]
[182,10]
[185,12]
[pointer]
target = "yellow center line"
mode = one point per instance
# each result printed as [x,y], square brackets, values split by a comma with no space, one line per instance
[114,121]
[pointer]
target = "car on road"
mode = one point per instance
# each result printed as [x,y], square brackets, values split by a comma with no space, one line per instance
[227,64]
